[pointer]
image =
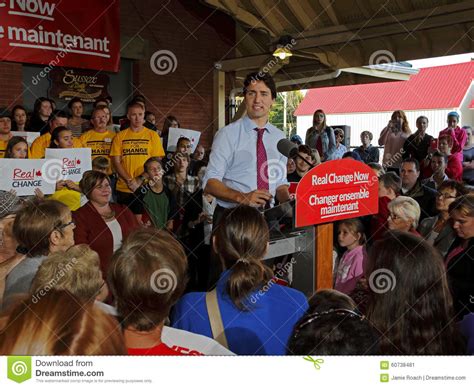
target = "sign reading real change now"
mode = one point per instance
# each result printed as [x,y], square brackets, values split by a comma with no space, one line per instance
[25,175]
[336,190]
[68,163]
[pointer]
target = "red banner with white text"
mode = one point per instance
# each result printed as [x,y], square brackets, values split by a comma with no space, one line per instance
[82,34]
[334,191]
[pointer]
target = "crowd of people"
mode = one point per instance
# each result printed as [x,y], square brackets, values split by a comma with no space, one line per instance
[162,253]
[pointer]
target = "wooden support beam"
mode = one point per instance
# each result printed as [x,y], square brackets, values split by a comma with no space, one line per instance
[390,28]
[219,97]
[304,13]
[242,15]
[323,243]
[268,18]
[329,9]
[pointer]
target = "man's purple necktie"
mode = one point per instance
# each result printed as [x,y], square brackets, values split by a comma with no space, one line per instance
[262,165]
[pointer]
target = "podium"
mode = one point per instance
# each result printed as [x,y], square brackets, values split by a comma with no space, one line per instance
[330,192]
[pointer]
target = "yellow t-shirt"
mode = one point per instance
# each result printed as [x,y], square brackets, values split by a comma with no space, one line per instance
[135,148]
[38,148]
[99,143]
[3,147]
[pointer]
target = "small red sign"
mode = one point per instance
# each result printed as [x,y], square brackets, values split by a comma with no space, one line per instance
[336,190]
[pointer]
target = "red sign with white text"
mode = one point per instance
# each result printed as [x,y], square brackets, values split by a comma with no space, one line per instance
[336,190]
[83,34]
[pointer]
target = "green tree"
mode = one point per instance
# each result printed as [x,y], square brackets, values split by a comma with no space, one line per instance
[293,99]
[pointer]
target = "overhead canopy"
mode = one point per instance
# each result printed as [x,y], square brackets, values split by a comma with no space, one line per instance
[331,35]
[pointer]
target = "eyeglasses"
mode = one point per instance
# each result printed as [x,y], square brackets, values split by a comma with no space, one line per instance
[62,226]
[445,195]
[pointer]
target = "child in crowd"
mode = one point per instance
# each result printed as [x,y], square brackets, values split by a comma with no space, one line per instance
[101,164]
[67,191]
[147,276]
[154,204]
[350,269]
[301,160]
[17,148]
[438,165]
[454,165]
[257,314]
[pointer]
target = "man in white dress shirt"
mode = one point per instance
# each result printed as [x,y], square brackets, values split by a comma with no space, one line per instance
[245,166]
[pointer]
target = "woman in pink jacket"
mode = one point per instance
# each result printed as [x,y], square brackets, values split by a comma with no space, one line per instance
[393,138]
[458,135]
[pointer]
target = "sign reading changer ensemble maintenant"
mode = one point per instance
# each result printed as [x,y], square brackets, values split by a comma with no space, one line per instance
[336,190]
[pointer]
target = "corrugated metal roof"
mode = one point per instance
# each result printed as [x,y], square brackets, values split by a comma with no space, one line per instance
[432,88]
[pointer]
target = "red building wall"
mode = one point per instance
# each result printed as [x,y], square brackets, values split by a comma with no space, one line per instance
[11,87]
[198,36]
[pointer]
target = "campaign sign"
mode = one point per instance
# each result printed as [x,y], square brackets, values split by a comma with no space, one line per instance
[24,176]
[30,137]
[68,163]
[176,133]
[336,190]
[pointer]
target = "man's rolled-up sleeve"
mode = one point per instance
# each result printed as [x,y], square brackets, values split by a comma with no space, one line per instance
[219,158]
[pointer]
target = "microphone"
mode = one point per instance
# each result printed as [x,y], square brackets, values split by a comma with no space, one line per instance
[290,150]
[287,148]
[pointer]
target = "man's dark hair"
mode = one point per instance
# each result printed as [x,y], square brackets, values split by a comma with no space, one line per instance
[303,148]
[58,114]
[414,161]
[266,78]
[73,101]
[149,161]
[440,155]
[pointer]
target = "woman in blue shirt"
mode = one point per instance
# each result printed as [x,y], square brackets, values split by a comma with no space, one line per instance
[258,315]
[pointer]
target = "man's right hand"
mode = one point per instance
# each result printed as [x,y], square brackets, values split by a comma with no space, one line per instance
[257,198]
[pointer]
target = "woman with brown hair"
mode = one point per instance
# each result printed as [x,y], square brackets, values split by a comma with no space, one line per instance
[101,224]
[393,139]
[409,300]
[59,324]
[321,137]
[253,314]
[76,123]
